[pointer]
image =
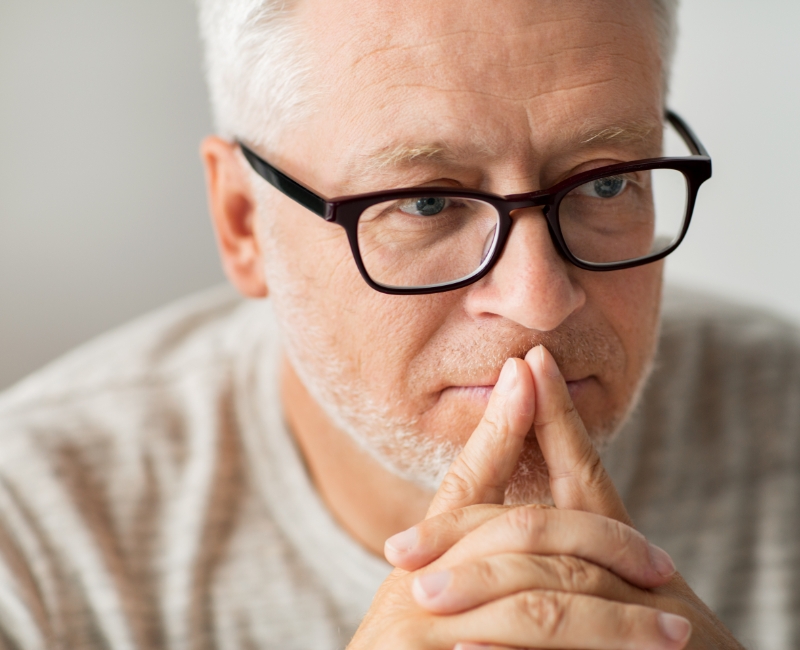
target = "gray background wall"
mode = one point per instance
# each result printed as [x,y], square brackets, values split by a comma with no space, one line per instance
[102,206]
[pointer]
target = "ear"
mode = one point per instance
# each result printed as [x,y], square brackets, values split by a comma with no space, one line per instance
[233,212]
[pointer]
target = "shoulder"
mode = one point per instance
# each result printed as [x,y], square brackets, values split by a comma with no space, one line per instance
[721,411]
[156,345]
[709,464]
[693,315]
[147,384]
[716,354]
[120,464]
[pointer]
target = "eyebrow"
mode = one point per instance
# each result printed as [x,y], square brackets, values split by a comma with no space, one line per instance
[400,156]
[378,164]
[634,132]
[403,154]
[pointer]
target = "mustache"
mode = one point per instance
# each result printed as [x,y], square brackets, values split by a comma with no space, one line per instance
[576,347]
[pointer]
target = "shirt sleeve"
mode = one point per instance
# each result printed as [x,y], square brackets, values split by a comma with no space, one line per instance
[23,622]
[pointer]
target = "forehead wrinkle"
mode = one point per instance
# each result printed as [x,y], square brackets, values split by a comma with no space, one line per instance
[538,94]
[415,48]
[378,45]
[509,33]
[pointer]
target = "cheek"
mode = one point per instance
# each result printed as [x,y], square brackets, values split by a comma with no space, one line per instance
[455,416]
[309,250]
[623,307]
[630,303]
[319,292]
[307,261]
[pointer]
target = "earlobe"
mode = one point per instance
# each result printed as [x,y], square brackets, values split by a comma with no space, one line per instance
[233,213]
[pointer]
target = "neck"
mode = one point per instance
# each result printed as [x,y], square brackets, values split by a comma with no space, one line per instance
[369,502]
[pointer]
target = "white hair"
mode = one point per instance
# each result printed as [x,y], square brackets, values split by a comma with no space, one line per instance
[256,65]
[666,14]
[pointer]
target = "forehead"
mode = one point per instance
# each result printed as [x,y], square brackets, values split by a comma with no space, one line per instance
[479,77]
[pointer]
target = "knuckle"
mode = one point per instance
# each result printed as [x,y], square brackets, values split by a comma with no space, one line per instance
[627,622]
[446,529]
[458,484]
[576,574]
[493,421]
[545,610]
[593,473]
[485,573]
[529,521]
[618,533]
[451,525]
[622,538]
[564,411]
[453,519]
[568,411]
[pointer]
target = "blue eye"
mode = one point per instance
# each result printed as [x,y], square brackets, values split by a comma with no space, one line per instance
[608,188]
[425,206]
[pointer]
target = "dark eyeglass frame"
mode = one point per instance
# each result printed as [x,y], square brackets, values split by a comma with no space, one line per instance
[345,211]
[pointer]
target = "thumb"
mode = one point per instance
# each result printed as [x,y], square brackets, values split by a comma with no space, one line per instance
[481,472]
[578,480]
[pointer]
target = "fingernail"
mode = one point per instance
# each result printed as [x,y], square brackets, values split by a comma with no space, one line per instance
[508,378]
[675,628]
[549,364]
[403,542]
[661,561]
[432,584]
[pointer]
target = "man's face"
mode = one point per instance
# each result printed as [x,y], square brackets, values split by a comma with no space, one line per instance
[506,96]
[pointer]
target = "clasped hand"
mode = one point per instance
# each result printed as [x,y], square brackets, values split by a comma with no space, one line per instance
[478,574]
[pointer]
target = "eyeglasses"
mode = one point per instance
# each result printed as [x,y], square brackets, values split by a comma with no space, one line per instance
[427,240]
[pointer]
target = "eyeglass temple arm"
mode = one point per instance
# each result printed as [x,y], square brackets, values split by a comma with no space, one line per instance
[285,184]
[687,134]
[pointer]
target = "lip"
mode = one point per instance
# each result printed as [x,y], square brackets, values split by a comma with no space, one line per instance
[576,387]
[482,392]
[479,393]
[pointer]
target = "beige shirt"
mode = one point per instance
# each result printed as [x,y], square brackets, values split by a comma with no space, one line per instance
[151,497]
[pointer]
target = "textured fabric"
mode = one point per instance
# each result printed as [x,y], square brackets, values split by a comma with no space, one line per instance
[151,497]
[709,467]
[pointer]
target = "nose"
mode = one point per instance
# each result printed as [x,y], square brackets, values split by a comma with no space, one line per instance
[531,284]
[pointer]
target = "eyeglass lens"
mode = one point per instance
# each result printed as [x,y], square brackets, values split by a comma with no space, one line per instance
[624,217]
[426,241]
[430,241]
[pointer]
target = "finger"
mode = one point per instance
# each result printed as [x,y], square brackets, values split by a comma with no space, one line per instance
[603,541]
[421,544]
[552,619]
[481,472]
[578,480]
[476,583]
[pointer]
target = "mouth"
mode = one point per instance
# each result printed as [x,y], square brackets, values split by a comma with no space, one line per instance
[482,393]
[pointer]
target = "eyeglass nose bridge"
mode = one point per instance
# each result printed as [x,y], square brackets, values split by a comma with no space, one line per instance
[539,199]
[525,201]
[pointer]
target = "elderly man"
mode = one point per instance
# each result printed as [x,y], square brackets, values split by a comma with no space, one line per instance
[446,349]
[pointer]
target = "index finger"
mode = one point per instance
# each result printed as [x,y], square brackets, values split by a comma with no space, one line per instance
[481,472]
[578,480]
